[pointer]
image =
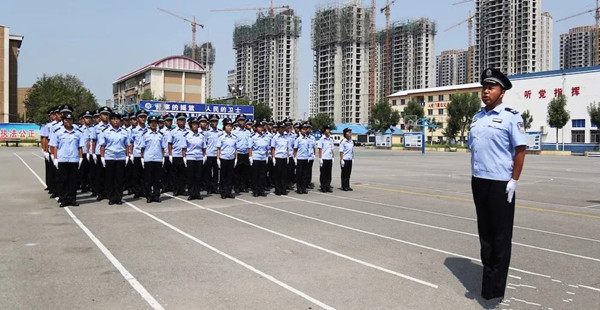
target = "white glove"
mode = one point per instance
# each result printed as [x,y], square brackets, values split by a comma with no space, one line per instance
[55,162]
[274,162]
[142,160]
[46,155]
[185,162]
[295,161]
[219,163]
[235,162]
[332,159]
[95,158]
[321,162]
[342,163]
[87,156]
[251,161]
[170,159]
[267,160]
[131,158]
[204,159]
[127,160]
[511,186]
[103,162]
[163,161]
[80,161]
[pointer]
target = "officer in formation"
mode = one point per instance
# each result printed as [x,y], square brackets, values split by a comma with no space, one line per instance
[497,143]
[146,156]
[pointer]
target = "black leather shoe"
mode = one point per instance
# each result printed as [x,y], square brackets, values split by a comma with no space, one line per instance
[148,200]
[263,194]
[231,196]
[304,192]
[53,196]
[191,197]
[74,204]
[330,190]
[223,196]
[62,205]
[136,196]
[99,198]
[120,202]
[110,203]
[349,189]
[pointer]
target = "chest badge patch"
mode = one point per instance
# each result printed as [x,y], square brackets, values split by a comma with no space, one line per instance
[497,120]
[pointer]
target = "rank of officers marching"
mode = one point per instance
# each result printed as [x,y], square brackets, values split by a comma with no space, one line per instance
[111,155]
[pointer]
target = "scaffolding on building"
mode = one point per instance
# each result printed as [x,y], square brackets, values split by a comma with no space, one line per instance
[284,23]
[338,23]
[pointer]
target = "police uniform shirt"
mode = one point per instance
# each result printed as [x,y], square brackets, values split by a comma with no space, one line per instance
[115,141]
[68,144]
[152,143]
[54,128]
[85,135]
[270,136]
[494,135]
[178,141]
[347,148]
[302,145]
[212,139]
[166,133]
[281,143]
[45,129]
[243,135]
[260,145]
[195,143]
[291,138]
[311,146]
[137,135]
[326,146]
[227,144]
[95,134]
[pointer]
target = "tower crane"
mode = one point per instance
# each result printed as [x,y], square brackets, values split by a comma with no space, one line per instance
[271,9]
[386,11]
[596,30]
[468,20]
[193,23]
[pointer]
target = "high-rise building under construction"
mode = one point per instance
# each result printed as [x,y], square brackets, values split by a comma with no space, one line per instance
[452,68]
[267,61]
[577,47]
[205,55]
[340,42]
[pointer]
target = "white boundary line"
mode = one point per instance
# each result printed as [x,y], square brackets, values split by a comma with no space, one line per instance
[314,246]
[128,276]
[235,260]
[458,217]
[441,228]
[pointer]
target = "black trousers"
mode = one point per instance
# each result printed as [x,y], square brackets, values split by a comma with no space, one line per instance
[178,176]
[129,179]
[84,174]
[301,177]
[194,177]
[259,176]
[291,172]
[325,175]
[52,179]
[270,173]
[166,175]
[226,177]
[115,176]
[346,172]
[153,178]
[48,164]
[98,178]
[67,182]
[495,218]
[211,174]
[281,180]
[242,173]
[138,182]
[309,171]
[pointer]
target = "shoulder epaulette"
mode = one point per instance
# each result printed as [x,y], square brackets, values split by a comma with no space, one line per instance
[511,110]
[105,128]
[160,132]
[79,130]
[186,133]
[57,129]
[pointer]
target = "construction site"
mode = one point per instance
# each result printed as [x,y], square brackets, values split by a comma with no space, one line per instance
[267,60]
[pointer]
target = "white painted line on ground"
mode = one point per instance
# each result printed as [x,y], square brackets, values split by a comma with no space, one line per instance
[390,238]
[458,217]
[441,228]
[314,246]
[590,288]
[124,272]
[235,260]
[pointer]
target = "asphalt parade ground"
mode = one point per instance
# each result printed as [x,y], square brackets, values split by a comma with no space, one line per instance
[405,238]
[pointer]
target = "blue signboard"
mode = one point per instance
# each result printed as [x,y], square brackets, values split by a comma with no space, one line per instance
[413,139]
[19,131]
[196,109]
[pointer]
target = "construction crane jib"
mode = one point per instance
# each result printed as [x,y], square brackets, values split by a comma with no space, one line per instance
[596,12]
[193,23]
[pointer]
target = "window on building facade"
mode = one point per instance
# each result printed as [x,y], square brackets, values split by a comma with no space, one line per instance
[441,98]
[402,101]
[577,136]
[578,123]
[430,98]
[441,111]
[394,102]
[594,136]
[429,111]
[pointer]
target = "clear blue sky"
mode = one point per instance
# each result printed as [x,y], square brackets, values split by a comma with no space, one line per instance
[103,39]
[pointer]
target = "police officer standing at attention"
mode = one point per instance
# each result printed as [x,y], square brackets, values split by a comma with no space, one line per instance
[498,143]
[325,146]
[280,152]
[53,128]
[301,157]
[259,149]
[242,167]
[114,151]
[84,170]
[68,155]
[167,183]
[211,169]
[99,173]
[226,159]
[311,159]
[195,153]
[152,158]
[135,157]
[44,137]
[177,150]
[346,157]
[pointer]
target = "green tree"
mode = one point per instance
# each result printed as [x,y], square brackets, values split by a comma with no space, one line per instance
[262,111]
[594,111]
[451,130]
[383,117]
[148,95]
[320,120]
[461,109]
[558,116]
[54,90]
[433,125]
[413,108]
[527,119]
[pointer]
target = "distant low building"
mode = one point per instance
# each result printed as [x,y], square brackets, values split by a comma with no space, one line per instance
[174,78]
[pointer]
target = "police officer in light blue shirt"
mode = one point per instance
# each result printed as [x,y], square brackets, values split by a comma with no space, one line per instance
[45,139]
[85,119]
[177,150]
[226,159]
[346,158]
[167,183]
[196,155]
[242,167]
[98,172]
[68,156]
[210,168]
[152,158]
[311,160]
[280,152]
[326,157]
[259,149]
[301,156]
[135,150]
[497,143]
[114,151]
